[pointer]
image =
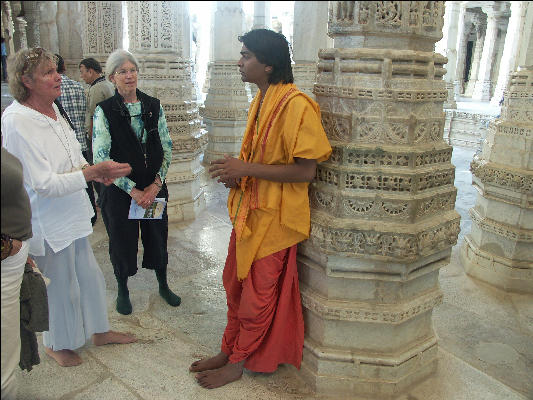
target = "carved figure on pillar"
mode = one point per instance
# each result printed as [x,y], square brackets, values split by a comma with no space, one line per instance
[160,37]
[382,217]
[499,248]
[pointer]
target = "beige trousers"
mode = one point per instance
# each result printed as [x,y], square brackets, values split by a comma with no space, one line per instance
[12,269]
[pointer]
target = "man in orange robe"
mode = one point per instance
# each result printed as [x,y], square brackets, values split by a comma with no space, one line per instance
[269,207]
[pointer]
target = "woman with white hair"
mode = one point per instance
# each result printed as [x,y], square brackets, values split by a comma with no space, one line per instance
[55,176]
[130,127]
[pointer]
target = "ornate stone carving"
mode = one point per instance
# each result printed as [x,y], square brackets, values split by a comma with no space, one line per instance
[102,29]
[225,110]
[499,248]
[466,128]
[384,201]
[157,32]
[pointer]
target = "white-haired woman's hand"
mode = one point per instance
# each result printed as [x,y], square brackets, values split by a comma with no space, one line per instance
[106,171]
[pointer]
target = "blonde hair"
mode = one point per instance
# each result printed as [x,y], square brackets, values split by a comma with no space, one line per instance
[24,63]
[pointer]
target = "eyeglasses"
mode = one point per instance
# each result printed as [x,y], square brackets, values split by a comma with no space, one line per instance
[124,72]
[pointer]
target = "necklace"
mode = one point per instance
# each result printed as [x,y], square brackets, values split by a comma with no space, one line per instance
[65,146]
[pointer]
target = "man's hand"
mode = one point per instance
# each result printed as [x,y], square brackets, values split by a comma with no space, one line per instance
[228,169]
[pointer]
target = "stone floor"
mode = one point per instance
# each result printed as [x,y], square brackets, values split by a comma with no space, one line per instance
[485,334]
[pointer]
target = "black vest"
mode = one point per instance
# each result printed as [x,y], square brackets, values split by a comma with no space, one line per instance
[126,147]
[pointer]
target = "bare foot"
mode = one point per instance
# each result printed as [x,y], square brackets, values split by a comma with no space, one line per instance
[65,358]
[109,337]
[220,377]
[205,364]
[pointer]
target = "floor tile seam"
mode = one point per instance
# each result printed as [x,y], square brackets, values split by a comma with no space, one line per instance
[482,372]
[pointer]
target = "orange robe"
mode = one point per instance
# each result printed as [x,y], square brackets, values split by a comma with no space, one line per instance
[265,323]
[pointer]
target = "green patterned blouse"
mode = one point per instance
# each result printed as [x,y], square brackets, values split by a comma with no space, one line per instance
[102,140]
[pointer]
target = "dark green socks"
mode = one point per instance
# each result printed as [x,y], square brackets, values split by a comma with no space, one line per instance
[164,291]
[123,297]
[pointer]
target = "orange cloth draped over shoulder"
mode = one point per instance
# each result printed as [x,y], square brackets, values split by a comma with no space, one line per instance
[271,216]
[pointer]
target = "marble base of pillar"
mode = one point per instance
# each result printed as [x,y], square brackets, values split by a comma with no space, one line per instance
[224,137]
[466,128]
[499,248]
[482,90]
[376,303]
[450,102]
[304,77]
[458,88]
[185,192]
[469,88]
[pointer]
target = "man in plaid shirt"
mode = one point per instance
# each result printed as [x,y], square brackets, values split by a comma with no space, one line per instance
[74,102]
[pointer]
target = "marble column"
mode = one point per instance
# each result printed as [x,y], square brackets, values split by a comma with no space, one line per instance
[102,29]
[69,31]
[383,218]
[480,26]
[48,26]
[262,20]
[19,34]
[32,15]
[160,38]
[308,42]
[225,110]
[464,25]
[8,27]
[483,82]
[519,35]
[499,248]
[451,30]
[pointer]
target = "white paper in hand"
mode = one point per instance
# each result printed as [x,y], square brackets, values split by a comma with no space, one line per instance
[153,211]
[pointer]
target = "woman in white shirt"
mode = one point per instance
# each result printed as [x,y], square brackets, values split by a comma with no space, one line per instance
[55,177]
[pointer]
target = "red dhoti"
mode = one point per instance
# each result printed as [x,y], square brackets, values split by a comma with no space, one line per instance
[265,322]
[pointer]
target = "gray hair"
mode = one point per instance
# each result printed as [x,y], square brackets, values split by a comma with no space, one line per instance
[116,59]
[25,62]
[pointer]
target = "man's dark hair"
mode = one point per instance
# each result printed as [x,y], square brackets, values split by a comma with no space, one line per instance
[270,48]
[91,63]
[60,64]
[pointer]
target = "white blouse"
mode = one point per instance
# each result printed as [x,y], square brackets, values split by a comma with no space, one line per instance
[51,159]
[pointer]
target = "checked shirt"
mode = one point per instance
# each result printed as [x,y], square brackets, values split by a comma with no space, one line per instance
[74,102]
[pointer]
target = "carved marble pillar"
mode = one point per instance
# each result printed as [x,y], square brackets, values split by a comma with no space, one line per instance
[262,20]
[383,218]
[519,34]
[19,34]
[69,30]
[480,24]
[32,15]
[160,36]
[48,26]
[483,82]
[102,29]
[225,110]
[8,27]
[499,249]
[451,29]
[308,42]
[464,25]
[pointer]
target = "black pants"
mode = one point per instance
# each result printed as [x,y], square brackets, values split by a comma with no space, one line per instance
[90,191]
[124,233]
